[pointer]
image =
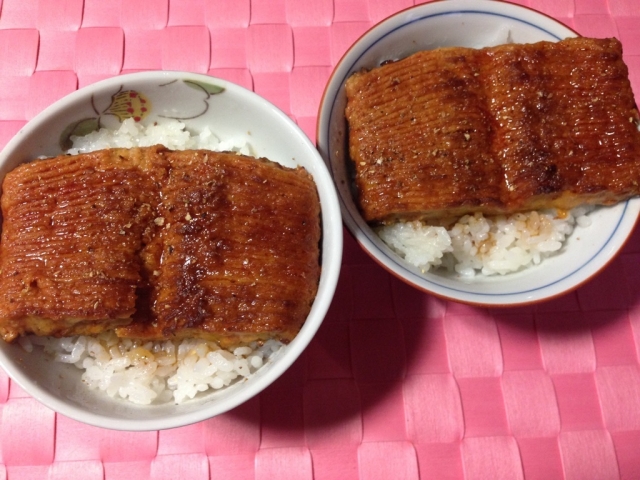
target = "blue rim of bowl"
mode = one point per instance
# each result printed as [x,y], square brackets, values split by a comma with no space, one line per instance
[410,276]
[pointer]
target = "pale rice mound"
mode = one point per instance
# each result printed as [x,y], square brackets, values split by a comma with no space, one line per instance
[476,244]
[145,372]
[173,134]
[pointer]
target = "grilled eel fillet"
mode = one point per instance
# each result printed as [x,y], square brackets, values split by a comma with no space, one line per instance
[456,130]
[158,244]
[237,258]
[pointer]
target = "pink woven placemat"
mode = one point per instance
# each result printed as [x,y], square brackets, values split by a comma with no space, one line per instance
[397,384]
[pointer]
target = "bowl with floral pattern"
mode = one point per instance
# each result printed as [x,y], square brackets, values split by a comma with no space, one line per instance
[199,102]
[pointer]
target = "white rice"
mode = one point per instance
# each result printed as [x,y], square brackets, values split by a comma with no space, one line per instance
[172,134]
[154,372]
[161,371]
[476,244]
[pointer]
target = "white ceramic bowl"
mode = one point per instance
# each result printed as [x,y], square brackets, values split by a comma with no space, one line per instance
[229,111]
[466,23]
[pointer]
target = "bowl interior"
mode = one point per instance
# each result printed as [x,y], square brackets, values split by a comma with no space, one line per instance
[231,112]
[476,24]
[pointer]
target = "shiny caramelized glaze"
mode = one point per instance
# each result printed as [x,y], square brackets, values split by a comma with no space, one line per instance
[239,248]
[501,129]
[71,232]
[193,243]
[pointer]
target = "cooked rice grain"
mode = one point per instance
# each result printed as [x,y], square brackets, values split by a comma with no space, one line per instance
[145,372]
[172,134]
[476,244]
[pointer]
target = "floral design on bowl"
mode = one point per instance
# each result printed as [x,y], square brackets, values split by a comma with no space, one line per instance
[239,116]
[128,103]
[192,106]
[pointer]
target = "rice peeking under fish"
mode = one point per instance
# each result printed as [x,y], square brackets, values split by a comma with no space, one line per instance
[484,245]
[156,372]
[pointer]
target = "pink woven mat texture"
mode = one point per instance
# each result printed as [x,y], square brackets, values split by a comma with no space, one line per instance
[397,384]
